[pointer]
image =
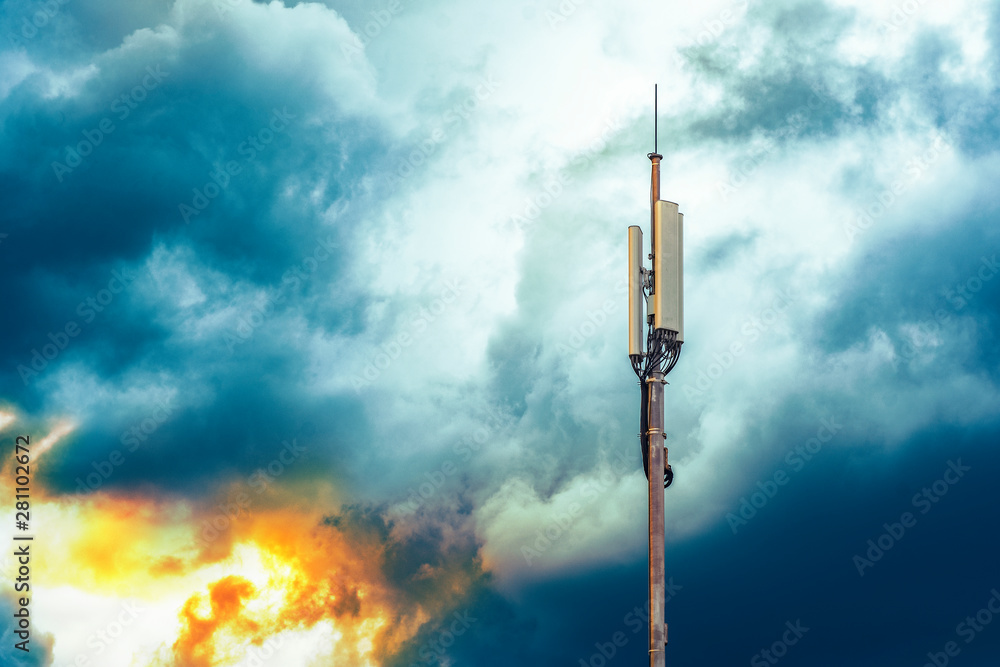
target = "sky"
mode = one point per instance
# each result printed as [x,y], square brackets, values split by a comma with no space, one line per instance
[315,324]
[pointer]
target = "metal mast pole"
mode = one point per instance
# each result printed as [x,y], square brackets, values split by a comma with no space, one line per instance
[654,439]
[661,289]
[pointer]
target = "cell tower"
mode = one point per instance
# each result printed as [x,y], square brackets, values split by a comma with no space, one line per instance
[661,289]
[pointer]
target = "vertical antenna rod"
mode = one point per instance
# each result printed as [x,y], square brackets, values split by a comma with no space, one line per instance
[654,186]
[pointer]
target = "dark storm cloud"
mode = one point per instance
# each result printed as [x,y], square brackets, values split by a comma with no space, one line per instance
[189,156]
[191,448]
[472,623]
[68,30]
[945,283]
[796,89]
[733,594]
[726,248]
[788,94]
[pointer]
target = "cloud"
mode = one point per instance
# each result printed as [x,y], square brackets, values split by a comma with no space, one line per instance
[395,240]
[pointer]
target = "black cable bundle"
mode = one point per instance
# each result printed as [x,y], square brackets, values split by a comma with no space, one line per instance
[664,351]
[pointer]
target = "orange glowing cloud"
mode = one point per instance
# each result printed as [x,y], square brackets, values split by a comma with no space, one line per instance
[278,576]
[195,647]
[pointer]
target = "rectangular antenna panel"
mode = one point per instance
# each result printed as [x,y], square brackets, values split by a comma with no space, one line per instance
[680,274]
[635,294]
[667,267]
